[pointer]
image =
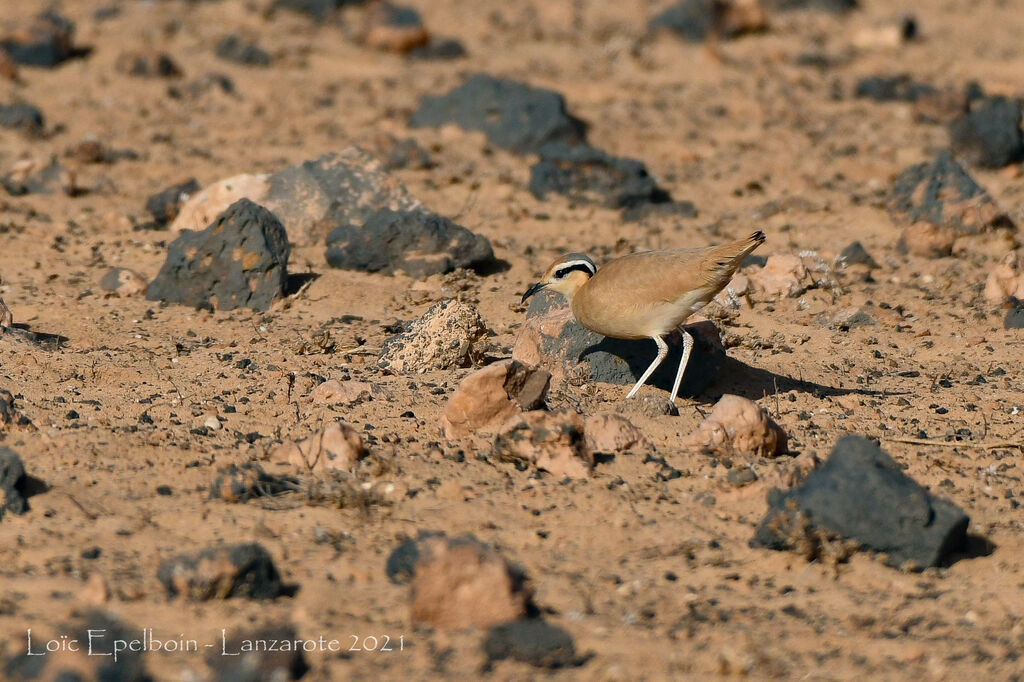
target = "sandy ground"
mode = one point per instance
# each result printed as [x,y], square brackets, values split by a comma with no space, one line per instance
[654,578]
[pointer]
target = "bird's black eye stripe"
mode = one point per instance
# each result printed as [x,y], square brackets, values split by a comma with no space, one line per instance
[582,267]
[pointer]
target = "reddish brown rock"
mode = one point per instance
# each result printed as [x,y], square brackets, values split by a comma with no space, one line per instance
[89,150]
[783,274]
[940,106]
[8,67]
[1006,280]
[336,448]
[927,240]
[611,433]
[489,397]
[741,426]
[393,28]
[460,583]
[332,392]
[550,441]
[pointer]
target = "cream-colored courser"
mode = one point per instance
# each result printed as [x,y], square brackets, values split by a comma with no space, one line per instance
[646,295]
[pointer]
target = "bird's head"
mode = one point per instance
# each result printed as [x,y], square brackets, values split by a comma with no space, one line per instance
[566,275]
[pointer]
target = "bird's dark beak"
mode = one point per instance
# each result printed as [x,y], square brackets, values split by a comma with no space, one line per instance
[534,288]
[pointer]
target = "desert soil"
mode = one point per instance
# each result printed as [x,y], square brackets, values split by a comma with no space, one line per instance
[653,578]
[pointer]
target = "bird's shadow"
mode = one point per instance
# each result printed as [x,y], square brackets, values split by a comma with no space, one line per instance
[709,374]
[748,381]
[20,333]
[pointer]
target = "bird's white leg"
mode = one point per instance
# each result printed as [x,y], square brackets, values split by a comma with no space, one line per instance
[662,352]
[687,348]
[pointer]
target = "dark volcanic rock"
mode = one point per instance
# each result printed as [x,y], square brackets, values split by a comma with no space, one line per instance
[12,477]
[221,573]
[861,494]
[1015,316]
[280,665]
[553,340]
[943,194]
[401,563]
[690,19]
[240,260]
[512,115]
[696,20]
[590,175]
[344,188]
[856,254]
[98,628]
[234,49]
[899,88]
[165,205]
[533,641]
[671,208]
[44,42]
[23,117]
[418,242]
[989,135]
